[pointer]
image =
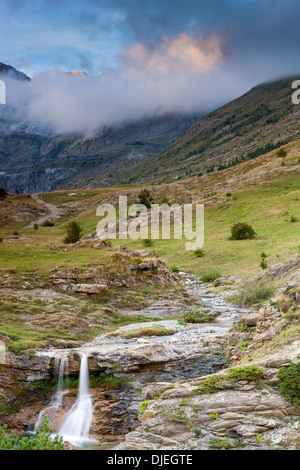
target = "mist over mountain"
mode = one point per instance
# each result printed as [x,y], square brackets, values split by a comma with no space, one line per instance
[7,71]
[35,156]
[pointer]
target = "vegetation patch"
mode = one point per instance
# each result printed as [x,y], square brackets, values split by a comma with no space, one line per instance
[253,293]
[289,383]
[197,317]
[251,373]
[211,275]
[151,331]
[42,441]
[242,231]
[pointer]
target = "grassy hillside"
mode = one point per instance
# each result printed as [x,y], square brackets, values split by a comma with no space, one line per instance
[261,120]
[264,192]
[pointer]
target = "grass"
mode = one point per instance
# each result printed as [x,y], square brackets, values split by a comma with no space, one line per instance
[210,275]
[197,317]
[253,293]
[268,207]
[151,331]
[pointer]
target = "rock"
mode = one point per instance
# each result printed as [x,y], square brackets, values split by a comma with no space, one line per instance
[249,319]
[281,270]
[90,288]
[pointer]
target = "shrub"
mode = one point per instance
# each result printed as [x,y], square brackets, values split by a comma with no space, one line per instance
[147,242]
[35,226]
[199,253]
[74,232]
[282,153]
[42,440]
[263,263]
[289,383]
[251,373]
[211,275]
[145,198]
[293,219]
[242,231]
[47,223]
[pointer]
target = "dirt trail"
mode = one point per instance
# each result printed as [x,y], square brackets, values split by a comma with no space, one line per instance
[53,212]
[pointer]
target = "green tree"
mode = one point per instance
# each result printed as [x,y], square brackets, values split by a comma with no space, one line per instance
[74,231]
[282,153]
[145,198]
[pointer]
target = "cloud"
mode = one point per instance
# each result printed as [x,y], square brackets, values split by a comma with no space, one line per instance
[176,75]
[180,56]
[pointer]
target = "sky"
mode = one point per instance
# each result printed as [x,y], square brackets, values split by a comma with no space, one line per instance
[143,56]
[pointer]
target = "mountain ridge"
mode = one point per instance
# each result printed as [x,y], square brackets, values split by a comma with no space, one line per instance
[259,121]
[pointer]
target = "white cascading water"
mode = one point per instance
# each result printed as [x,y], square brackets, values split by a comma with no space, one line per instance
[61,371]
[76,426]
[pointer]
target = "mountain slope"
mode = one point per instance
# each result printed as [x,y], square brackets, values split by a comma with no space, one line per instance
[11,72]
[259,121]
[33,160]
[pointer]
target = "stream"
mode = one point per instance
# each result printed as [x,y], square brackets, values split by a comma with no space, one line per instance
[184,343]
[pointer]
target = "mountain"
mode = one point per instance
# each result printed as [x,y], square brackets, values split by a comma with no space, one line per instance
[36,159]
[33,159]
[11,72]
[152,150]
[259,121]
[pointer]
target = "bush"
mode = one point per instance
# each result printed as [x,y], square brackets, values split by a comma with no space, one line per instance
[282,153]
[47,223]
[74,232]
[289,383]
[199,253]
[211,275]
[145,198]
[147,242]
[42,440]
[263,263]
[242,231]
[251,373]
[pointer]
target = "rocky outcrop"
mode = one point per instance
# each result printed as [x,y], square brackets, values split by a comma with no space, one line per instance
[192,415]
[127,269]
[281,270]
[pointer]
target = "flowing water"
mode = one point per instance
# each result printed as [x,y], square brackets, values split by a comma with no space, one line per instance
[77,423]
[61,371]
[76,426]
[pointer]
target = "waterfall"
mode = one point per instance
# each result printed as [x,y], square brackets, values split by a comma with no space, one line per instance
[60,371]
[76,426]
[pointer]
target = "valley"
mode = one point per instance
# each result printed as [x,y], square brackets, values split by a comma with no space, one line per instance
[175,352]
